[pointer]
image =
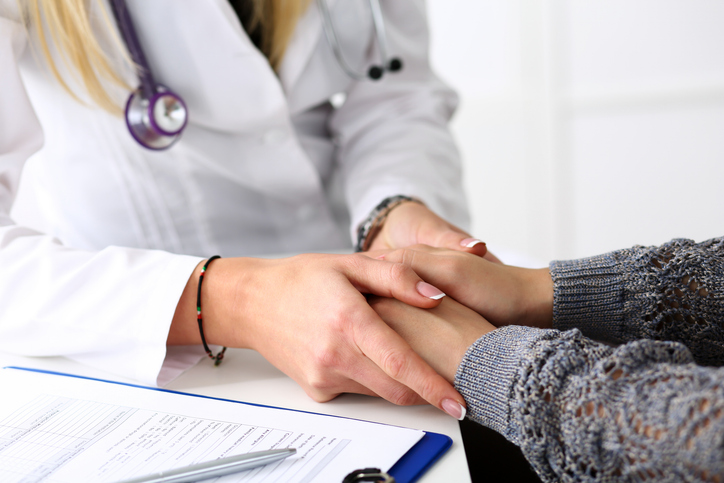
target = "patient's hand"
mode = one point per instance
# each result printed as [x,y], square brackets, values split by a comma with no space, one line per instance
[440,335]
[503,294]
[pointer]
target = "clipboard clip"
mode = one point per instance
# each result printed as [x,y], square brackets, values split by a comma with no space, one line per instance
[368,474]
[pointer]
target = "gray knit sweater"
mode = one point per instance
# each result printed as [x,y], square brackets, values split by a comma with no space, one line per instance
[648,404]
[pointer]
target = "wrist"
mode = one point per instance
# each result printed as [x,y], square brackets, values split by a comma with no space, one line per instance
[539,298]
[183,330]
[223,320]
[372,225]
[228,301]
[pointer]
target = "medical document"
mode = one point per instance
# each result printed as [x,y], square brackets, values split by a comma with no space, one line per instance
[55,428]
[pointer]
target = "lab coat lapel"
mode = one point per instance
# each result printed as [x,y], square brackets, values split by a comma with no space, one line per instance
[306,35]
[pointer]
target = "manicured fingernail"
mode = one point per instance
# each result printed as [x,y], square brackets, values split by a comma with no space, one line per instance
[471,242]
[429,291]
[454,409]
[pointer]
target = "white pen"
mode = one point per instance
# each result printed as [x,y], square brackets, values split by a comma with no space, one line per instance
[214,468]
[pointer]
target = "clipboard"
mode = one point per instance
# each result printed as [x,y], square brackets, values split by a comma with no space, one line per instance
[408,469]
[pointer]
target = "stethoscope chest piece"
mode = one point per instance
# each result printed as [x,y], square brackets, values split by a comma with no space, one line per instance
[156,122]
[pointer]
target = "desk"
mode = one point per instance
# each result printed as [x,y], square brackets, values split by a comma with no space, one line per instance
[246,376]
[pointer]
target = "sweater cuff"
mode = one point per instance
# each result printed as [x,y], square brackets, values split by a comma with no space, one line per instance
[588,295]
[488,372]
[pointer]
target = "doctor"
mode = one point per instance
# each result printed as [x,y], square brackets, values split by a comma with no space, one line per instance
[102,240]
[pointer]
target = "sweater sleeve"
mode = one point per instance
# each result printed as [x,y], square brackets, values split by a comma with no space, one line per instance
[584,411]
[672,292]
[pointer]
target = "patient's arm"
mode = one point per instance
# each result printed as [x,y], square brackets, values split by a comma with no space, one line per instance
[503,294]
[440,335]
[580,410]
[670,292]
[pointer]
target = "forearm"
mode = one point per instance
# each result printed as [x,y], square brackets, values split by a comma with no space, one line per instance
[393,136]
[583,411]
[672,292]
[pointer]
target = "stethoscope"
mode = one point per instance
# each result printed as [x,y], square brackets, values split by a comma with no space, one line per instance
[374,72]
[156,116]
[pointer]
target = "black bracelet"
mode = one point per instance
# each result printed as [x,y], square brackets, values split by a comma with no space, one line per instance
[220,356]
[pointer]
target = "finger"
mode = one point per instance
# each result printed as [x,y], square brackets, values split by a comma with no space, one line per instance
[395,357]
[425,261]
[394,280]
[354,372]
[367,378]
[343,385]
[321,394]
[377,254]
[492,258]
[460,241]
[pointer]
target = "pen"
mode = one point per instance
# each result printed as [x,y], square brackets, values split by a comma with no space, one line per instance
[214,468]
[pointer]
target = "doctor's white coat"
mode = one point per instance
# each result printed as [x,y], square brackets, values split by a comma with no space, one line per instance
[99,236]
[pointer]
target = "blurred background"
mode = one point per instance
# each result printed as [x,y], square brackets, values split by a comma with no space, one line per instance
[586,126]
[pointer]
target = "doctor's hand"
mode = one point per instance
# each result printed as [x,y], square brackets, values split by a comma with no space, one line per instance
[308,316]
[412,223]
[503,294]
[440,335]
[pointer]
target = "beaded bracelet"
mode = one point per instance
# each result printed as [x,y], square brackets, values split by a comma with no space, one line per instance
[369,228]
[220,356]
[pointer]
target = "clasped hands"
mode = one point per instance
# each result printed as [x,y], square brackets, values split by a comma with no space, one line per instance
[368,323]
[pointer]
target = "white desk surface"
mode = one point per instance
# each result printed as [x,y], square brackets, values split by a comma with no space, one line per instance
[246,376]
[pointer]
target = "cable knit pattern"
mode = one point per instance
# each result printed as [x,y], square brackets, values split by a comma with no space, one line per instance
[583,410]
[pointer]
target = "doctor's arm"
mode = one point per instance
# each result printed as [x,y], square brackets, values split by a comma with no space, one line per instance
[114,308]
[308,316]
[393,139]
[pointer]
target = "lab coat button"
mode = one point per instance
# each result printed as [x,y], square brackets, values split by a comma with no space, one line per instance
[274,136]
[337,100]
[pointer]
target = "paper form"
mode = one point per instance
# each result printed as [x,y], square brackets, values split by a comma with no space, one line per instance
[64,429]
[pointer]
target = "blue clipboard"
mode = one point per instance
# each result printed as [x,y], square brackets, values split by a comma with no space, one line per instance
[407,469]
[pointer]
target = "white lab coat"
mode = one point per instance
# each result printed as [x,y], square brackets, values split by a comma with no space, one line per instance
[104,233]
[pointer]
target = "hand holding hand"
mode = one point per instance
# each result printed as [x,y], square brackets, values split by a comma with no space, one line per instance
[440,335]
[502,294]
[412,223]
[308,316]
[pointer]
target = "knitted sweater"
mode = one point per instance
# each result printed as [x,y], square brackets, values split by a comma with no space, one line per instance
[646,404]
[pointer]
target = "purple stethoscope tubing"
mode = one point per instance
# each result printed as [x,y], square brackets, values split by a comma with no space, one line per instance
[154,114]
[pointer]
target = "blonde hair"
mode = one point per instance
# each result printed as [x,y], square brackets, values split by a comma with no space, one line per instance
[69,26]
[68,23]
[276,20]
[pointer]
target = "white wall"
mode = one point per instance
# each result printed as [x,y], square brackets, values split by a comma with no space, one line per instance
[587,126]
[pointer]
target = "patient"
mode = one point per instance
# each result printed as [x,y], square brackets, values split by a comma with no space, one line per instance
[604,368]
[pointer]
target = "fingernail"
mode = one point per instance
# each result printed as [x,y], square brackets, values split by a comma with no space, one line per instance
[471,242]
[454,409]
[429,291]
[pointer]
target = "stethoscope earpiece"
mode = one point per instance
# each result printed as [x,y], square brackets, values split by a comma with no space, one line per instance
[375,72]
[395,65]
